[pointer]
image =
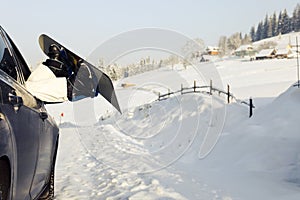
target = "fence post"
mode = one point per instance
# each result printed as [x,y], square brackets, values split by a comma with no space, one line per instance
[251,107]
[158,96]
[194,85]
[228,93]
[210,87]
[169,92]
[181,88]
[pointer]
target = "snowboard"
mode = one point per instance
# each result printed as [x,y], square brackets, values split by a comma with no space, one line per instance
[84,79]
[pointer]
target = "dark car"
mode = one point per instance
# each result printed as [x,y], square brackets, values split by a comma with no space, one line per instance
[28,136]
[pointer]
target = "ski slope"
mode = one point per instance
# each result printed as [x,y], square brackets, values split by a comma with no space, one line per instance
[153,150]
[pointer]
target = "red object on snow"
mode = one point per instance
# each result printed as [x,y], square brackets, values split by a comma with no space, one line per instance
[61,114]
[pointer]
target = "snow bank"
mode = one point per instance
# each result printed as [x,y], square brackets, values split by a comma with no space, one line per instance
[258,158]
[152,150]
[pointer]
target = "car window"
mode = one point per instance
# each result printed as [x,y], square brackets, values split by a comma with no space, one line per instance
[10,86]
[24,69]
[7,63]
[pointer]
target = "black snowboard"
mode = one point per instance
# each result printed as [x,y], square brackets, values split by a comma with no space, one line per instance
[85,79]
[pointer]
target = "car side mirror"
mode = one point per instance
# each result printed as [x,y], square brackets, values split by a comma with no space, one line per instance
[16,101]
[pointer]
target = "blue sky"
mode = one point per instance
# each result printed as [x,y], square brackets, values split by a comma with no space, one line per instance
[84,25]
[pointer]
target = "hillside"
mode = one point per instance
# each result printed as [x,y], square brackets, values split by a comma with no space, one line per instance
[282,41]
[153,150]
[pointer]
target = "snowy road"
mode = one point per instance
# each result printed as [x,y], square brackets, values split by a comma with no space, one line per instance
[80,176]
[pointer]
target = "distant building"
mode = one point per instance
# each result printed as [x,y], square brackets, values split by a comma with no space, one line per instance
[244,50]
[266,54]
[212,50]
[284,53]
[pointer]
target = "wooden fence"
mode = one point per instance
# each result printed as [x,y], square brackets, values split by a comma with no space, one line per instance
[210,90]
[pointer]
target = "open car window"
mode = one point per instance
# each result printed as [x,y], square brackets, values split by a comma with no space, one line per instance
[8,85]
[7,63]
[13,62]
[22,65]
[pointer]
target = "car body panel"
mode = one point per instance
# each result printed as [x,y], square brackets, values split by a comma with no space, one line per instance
[28,136]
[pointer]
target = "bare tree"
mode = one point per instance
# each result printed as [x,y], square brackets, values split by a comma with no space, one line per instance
[223,45]
[193,46]
[247,39]
[234,41]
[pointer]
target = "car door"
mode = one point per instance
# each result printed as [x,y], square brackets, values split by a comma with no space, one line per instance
[24,120]
[47,131]
[45,154]
[23,113]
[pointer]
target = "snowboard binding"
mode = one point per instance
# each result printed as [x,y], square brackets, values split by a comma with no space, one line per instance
[54,62]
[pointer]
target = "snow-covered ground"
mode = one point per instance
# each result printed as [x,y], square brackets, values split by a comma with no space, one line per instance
[154,150]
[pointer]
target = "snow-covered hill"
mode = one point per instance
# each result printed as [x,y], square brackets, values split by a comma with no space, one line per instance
[281,41]
[258,158]
[153,150]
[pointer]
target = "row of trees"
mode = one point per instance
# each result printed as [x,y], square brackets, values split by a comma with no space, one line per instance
[269,27]
[116,71]
[227,45]
[272,25]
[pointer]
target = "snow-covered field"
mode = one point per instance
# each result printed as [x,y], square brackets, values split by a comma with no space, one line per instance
[154,150]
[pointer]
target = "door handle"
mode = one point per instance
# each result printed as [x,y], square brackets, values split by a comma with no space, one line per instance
[43,115]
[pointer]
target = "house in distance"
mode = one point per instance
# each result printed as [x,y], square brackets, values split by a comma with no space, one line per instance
[266,54]
[245,50]
[213,51]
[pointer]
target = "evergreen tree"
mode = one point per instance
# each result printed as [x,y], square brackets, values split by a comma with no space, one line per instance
[274,25]
[247,39]
[286,27]
[296,19]
[270,28]
[265,28]
[279,24]
[258,34]
[293,19]
[252,34]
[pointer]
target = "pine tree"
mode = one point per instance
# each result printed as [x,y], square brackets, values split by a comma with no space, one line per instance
[252,34]
[279,24]
[293,20]
[265,28]
[286,28]
[258,34]
[296,19]
[247,39]
[270,28]
[274,25]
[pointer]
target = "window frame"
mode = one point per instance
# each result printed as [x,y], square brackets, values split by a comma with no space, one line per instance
[20,77]
[17,84]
